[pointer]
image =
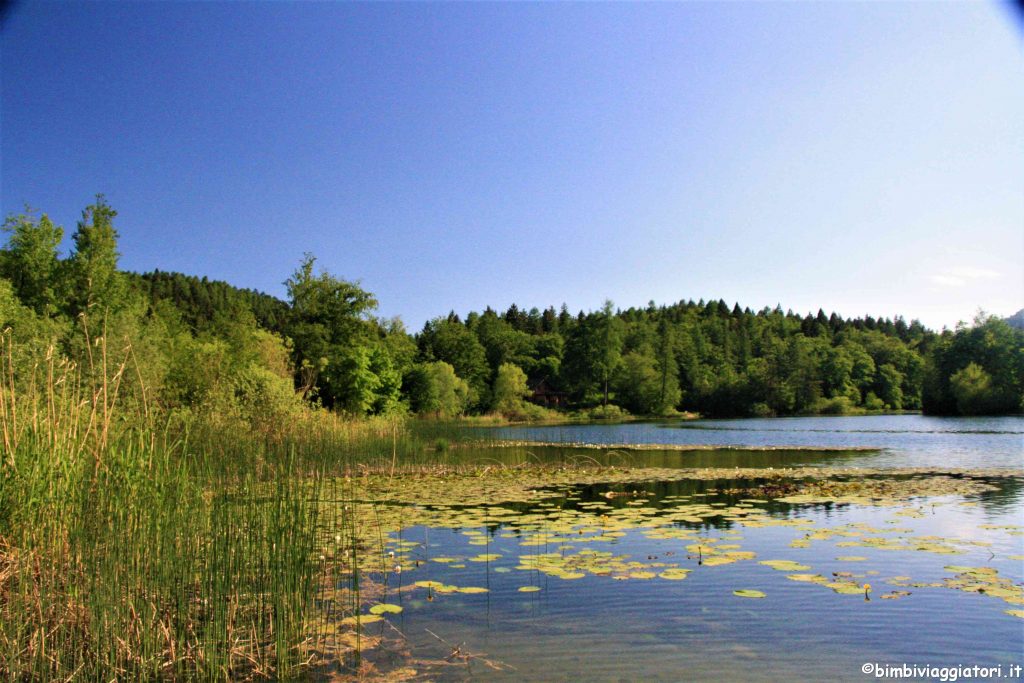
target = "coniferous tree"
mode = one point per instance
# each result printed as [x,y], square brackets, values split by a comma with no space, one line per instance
[94,282]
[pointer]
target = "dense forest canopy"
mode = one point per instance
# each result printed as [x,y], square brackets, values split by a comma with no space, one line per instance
[206,345]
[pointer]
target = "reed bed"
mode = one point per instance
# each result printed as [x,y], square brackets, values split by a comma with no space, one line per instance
[138,545]
[135,550]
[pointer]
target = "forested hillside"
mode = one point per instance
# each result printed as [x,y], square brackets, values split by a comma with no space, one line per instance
[205,345]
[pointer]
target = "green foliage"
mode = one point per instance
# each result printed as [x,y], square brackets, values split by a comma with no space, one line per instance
[838,405]
[606,412]
[668,369]
[872,402]
[435,389]
[368,382]
[888,383]
[37,335]
[200,301]
[30,261]
[638,384]
[609,329]
[510,389]
[972,388]
[593,352]
[329,325]
[399,346]
[451,342]
[266,400]
[94,283]
[196,345]
[995,383]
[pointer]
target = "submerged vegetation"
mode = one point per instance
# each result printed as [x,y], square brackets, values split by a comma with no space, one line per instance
[204,482]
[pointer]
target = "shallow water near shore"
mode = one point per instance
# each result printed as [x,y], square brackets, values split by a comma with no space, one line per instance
[707,578]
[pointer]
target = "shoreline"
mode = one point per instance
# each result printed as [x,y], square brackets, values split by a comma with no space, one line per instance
[663,447]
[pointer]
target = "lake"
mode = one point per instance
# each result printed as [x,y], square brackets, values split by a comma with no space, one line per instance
[901,440]
[714,576]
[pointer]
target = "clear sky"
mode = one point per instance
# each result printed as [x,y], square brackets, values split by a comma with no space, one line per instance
[866,158]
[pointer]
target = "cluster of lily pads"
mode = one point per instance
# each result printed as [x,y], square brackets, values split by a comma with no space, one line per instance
[562,535]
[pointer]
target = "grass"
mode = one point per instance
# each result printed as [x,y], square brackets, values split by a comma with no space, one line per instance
[132,550]
[138,545]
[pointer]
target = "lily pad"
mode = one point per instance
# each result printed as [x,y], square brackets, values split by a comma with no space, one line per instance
[784,565]
[529,589]
[485,557]
[807,578]
[748,593]
[674,574]
[385,608]
[895,595]
[716,560]
[362,619]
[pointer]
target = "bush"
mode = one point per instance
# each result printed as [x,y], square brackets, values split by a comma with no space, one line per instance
[839,405]
[531,412]
[266,400]
[872,402]
[973,390]
[608,412]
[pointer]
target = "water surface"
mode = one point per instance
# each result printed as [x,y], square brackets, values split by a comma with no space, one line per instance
[901,440]
[610,628]
[584,623]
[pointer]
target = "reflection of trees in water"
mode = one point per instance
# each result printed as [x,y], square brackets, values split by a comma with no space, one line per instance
[719,457]
[1009,498]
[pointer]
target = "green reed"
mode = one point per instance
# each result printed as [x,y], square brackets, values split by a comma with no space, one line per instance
[128,551]
[139,547]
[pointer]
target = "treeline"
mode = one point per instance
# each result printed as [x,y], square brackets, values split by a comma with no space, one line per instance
[709,358]
[201,345]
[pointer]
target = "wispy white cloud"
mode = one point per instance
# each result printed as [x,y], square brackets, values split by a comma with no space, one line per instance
[970,273]
[960,276]
[948,280]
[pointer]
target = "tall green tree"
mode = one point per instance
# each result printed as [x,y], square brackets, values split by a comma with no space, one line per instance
[510,389]
[435,389]
[593,352]
[447,340]
[668,369]
[609,344]
[995,386]
[94,283]
[638,384]
[29,260]
[971,386]
[329,322]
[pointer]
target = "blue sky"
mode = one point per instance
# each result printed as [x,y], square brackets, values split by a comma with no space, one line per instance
[866,158]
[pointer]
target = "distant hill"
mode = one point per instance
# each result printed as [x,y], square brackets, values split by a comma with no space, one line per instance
[1017,320]
[201,300]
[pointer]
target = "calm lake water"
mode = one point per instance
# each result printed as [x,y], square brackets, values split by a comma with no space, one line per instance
[602,605]
[902,440]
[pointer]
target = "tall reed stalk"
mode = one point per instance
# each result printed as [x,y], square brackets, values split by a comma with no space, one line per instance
[137,546]
[128,552]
